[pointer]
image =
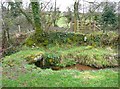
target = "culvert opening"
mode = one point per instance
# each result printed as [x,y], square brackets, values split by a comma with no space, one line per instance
[78,66]
[41,64]
[81,67]
[45,62]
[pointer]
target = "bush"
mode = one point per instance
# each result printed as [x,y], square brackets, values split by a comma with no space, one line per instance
[59,38]
[51,59]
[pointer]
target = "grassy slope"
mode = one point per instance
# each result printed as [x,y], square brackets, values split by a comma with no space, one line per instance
[16,72]
[87,55]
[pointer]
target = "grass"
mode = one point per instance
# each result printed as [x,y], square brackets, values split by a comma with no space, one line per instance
[67,78]
[18,73]
[86,55]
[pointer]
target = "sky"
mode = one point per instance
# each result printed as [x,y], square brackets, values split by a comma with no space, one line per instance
[63,4]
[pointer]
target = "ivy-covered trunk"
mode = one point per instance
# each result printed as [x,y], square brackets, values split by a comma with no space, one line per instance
[54,17]
[76,15]
[36,16]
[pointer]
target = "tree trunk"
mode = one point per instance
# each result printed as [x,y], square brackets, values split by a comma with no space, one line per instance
[76,15]
[54,17]
[4,39]
[36,16]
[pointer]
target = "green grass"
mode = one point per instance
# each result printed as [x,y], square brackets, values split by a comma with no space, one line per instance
[69,55]
[18,73]
[86,55]
[67,78]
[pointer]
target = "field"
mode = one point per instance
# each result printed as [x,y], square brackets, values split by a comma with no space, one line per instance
[18,73]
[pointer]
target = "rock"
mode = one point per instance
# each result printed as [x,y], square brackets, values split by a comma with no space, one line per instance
[34,58]
[38,58]
[109,49]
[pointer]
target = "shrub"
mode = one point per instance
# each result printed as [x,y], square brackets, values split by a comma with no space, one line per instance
[59,38]
[51,59]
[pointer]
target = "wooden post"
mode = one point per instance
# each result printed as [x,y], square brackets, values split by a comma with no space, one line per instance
[75,24]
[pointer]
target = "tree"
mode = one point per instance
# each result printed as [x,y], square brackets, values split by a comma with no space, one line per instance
[5,28]
[69,15]
[108,17]
[118,16]
[35,11]
[76,14]
[14,8]
[54,19]
[36,16]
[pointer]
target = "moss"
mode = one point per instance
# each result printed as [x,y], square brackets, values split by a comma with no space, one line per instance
[30,58]
[59,38]
[29,42]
